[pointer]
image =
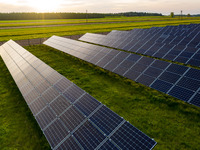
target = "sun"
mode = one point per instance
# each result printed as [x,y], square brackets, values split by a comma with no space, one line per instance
[45,5]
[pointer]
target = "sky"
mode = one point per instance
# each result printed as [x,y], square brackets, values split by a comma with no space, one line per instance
[102,6]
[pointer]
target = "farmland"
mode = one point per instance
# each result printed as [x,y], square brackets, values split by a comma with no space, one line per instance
[79,26]
[173,123]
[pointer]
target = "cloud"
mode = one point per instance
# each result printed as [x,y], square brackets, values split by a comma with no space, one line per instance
[14,8]
[108,6]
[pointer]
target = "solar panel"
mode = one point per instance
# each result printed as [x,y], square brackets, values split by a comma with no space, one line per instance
[145,70]
[69,117]
[174,40]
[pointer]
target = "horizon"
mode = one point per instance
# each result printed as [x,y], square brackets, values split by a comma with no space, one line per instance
[114,6]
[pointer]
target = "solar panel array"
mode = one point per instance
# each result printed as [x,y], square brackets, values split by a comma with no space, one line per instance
[68,116]
[178,81]
[177,43]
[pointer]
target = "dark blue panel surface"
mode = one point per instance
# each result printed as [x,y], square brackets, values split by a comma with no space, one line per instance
[127,63]
[69,144]
[145,79]
[55,133]
[73,93]
[26,88]
[120,70]
[88,136]
[72,118]
[117,60]
[45,117]
[132,74]
[50,94]
[113,64]
[139,67]
[128,137]
[189,83]
[181,93]
[174,52]
[134,57]
[108,146]
[87,104]
[196,56]
[54,77]
[106,120]
[160,64]
[178,69]
[146,61]
[186,54]
[169,57]
[37,105]
[97,57]
[159,55]
[63,84]
[60,104]
[196,100]
[193,73]
[43,87]
[31,96]
[194,62]
[161,86]
[105,60]
[169,77]
[153,72]
[181,59]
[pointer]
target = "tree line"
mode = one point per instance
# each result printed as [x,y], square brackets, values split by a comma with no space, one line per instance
[40,16]
[131,14]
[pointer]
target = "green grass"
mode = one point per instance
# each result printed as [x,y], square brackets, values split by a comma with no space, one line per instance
[42,32]
[173,123]
[21,23]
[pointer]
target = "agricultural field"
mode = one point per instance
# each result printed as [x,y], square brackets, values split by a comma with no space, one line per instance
[173,123]
[30,29]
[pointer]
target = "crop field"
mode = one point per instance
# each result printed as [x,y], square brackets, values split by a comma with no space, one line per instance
[45,28]
[173,123]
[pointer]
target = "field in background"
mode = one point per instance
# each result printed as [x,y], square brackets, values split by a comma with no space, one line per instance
[20,30]
[173,123]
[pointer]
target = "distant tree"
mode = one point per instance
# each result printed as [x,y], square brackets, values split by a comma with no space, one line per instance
[188,15]
[172,14]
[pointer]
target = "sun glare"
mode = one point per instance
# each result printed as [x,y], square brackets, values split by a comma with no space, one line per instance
[45,5]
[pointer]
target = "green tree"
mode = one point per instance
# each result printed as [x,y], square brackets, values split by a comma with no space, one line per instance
[188,15]
[172,14]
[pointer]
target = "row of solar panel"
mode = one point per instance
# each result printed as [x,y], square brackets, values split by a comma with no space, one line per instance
[152,35]
[69,117]
[176,80]
[154,44]
[182,30]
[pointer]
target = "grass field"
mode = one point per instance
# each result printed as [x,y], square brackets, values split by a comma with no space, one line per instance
[173,123]
[115,24]
[16,23]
